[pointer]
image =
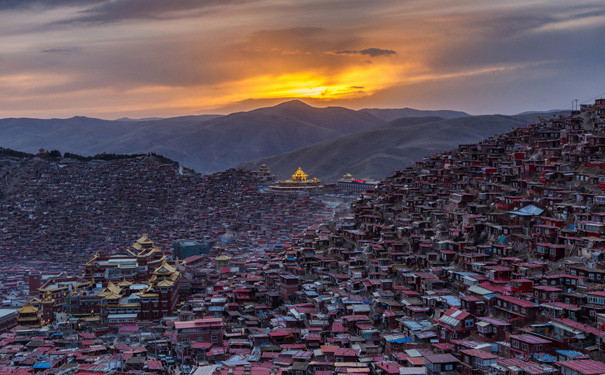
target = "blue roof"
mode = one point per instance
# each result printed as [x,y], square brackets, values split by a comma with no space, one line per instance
[570,353]
[43,364]
[402,340]
[545,358]
[530,210]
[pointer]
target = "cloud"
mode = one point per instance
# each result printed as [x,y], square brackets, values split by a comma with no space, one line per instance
[63,51]
[209,53]
[373,52]
[28,4]
[120,10]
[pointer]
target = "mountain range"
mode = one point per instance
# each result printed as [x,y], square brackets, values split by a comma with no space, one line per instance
[376,152]
[326,142]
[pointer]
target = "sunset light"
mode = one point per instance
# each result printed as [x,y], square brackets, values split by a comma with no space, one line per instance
[104,58]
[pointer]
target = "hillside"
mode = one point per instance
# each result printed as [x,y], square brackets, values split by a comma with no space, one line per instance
[376,152]
[390,114]
[205,143]
[73,208]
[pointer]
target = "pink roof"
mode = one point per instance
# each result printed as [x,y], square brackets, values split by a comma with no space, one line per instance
[579,326]
[516,301]
[201,323]
[201,345]
[388,367]
[584,366]
[346,352]
[456,313]
[479,353]
[155,365]
[530,339]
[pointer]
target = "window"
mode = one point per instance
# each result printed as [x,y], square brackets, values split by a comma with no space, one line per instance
[469,323]
[515,344]
[214,338]
[538,347]
[449,367]
[525,347]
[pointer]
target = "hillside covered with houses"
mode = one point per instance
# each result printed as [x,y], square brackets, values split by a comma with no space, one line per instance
[485,259]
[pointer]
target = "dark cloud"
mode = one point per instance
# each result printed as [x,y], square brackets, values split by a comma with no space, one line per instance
[27,4]
[63,51]
[119,10]
[373,52]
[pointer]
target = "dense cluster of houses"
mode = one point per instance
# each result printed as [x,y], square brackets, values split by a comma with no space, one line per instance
[486,259]
[58,209]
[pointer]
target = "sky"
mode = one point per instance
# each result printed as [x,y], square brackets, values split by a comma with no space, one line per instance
[160,58]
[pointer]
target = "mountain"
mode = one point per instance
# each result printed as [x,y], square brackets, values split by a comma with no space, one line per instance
[395,113]
[557,111]
[376,152]
[205,143]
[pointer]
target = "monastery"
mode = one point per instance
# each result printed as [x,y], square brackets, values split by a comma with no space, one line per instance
[298,184]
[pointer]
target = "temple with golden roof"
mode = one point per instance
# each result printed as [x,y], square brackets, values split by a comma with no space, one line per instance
[299,183]
[29,316]
[142,282]
[134,265]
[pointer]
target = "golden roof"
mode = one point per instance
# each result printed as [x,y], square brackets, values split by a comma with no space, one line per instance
[28,309]
[264,169]
[134,304]
[48,298]
[124,283]
[144,240]
[112,296]
[148,294]
[165,283]
[222,257]
[91,319]
[165,268]
[144,246]
[300,175]
[111,291]
[113,288]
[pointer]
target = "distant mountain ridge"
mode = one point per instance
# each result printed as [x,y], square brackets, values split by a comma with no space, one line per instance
[376,152]
[390,114]
[288,135]
[206,143]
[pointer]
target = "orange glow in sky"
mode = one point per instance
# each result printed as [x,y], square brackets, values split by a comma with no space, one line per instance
[112,59]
